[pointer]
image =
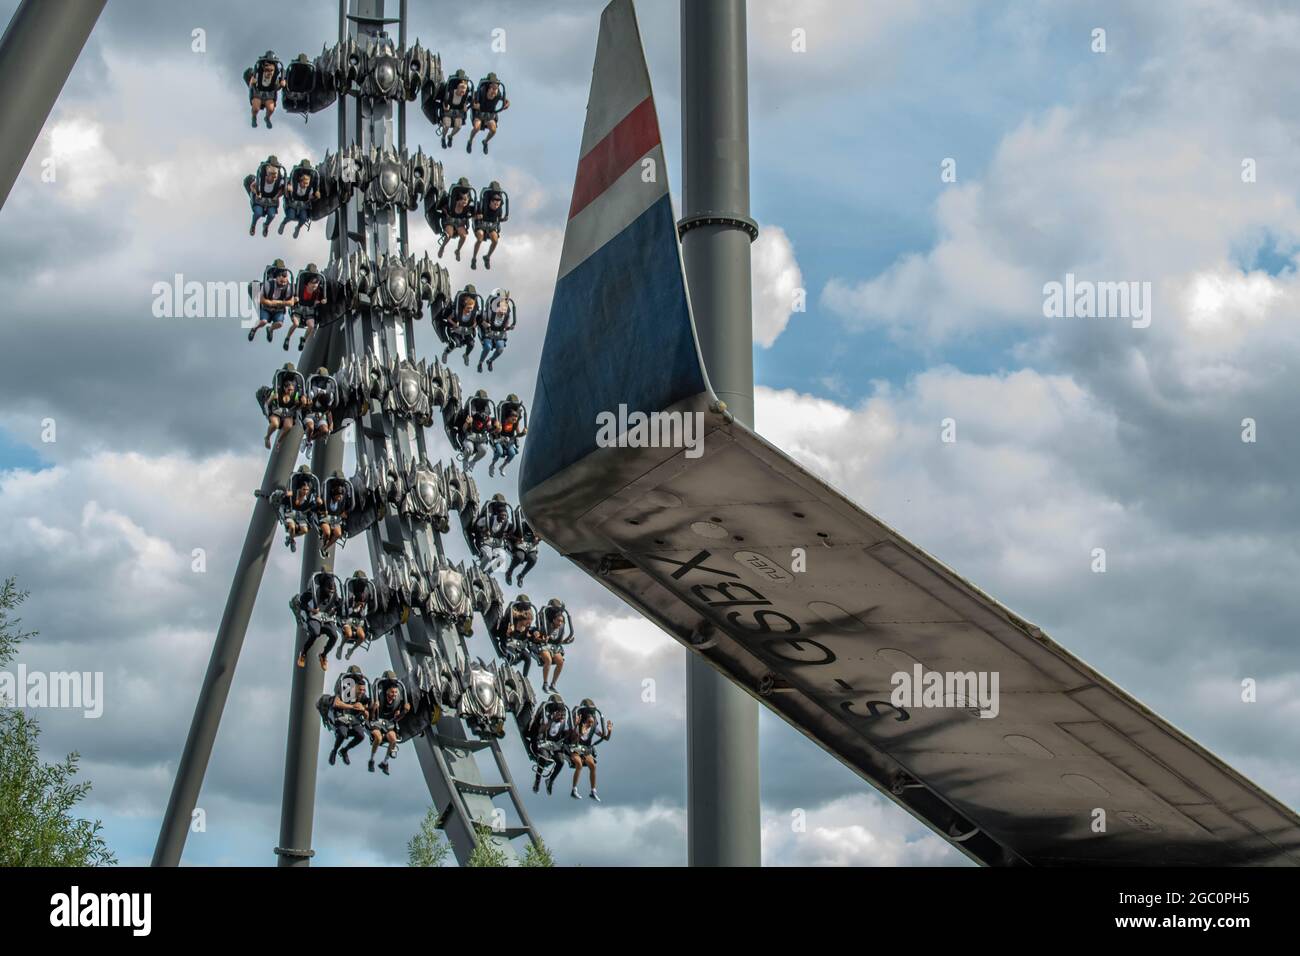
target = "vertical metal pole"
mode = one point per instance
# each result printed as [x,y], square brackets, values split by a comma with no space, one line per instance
[302,747]
[722,721]
[341,215]
[403,245]
[229,641]
[38,51]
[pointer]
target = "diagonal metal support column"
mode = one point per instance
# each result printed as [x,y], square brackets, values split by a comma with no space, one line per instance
[302,748]
[38,51]
[229,641]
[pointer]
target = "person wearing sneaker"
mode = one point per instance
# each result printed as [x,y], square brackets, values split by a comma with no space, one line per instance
[454,105]
[493,209]
[301,505]
[497,323]
[274,300]
[388,708]
[264,191]
[348,712]
[556,631]
[461,322]
[523,543]
[589,729]
[547,737]
[506,434]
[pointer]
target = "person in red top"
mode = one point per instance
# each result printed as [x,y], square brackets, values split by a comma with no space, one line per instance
[310,298]
[510,428]
[478,429]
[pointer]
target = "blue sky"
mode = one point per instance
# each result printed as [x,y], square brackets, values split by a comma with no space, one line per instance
[923,302]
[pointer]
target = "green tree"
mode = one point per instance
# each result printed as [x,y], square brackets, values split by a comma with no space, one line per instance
[486,852]
[37,826]
[537,854]
[428,847]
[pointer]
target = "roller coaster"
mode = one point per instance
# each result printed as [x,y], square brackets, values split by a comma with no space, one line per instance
[357,315]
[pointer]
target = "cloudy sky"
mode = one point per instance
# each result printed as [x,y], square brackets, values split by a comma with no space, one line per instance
[924,301]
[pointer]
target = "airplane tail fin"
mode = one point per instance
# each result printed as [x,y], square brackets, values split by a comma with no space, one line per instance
[620,330]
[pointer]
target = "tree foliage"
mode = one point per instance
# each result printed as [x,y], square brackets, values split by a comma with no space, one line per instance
[486,852]
[537,854]
[428,847]
[37,825]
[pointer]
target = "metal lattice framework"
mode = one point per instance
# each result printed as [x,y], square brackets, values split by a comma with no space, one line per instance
[446,753]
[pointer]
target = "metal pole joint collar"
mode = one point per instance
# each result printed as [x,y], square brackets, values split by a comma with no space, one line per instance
[744,223]
[294,854]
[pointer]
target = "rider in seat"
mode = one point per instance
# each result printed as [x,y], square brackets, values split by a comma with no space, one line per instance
[455,210]
[548,737]
[461,322]
[358,604]
[303,189]
[300,505]
[454,105]
[310,297]
[264,188]
[388,708]
[317,611]
[489,102]
[556,631]
[348,712]
[322,397]
[265,80]
[497,322]
[282,403]
[523,542]
[520,632]
[512,426]
[490,528]
[478,425]
[274,299]
[493,209]
[335,508]
[589,729]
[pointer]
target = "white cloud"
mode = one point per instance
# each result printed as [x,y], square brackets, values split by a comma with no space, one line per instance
[607,835]
[859,830]
[82,162]
[775,277]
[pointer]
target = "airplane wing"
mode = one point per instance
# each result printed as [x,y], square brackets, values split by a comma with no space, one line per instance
[702,540]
